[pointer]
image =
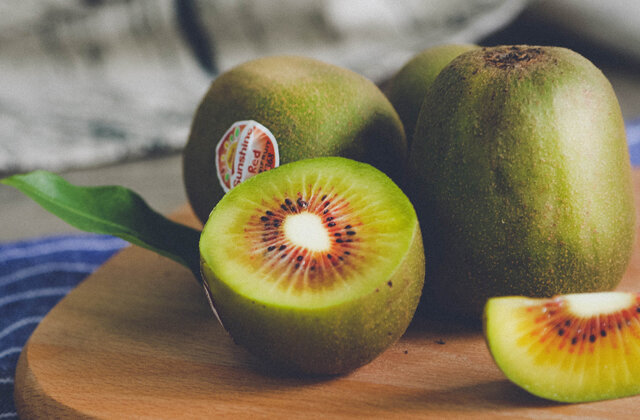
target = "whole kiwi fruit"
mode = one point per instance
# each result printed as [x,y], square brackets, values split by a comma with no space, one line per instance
[311,108]
[521,178]
[407,88]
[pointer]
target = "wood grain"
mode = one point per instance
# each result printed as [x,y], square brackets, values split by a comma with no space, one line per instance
[137,340]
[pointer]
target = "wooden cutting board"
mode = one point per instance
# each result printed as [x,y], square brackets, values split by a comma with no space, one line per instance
[137,340]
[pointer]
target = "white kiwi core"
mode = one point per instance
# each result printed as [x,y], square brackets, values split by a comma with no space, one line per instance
[307,230]
[591,304]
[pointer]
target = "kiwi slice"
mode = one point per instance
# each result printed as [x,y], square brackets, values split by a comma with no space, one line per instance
[316,266]
[569,348]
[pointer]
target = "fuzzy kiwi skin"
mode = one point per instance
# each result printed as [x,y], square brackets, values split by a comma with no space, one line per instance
[407,88]
[520,175]
[327,341]
[312,108]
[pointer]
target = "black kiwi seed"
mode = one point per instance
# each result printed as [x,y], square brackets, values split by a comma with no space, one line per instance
[269,213]
[339,241]
[337,234]
[301,203]
[574,340]
[271,248]
[323,197]
[331,224]
[329,256]
[347,227]
[638,309]
[264,218]
[329,219]
[283,207]
[592,338]
[326,203]
[282,247]
[326,211]
[389,283]
[560,331]
[603,333]
[567,323]
[350,232]
[288,202]
[299,258]
[347,253]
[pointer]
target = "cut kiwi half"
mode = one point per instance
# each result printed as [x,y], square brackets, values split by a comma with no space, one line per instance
[569,348]
[316,266]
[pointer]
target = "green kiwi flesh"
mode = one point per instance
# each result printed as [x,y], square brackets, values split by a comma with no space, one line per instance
[312,108]
[569,348]
[316,266]
[407,88]
[520,174]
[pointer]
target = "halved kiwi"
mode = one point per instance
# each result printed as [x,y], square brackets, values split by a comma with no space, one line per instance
[569,348]
[316,265]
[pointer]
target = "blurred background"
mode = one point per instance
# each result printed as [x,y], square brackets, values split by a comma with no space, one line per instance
[103,91]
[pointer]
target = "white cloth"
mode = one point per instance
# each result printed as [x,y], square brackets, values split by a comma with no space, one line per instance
[612,23]
[93,82]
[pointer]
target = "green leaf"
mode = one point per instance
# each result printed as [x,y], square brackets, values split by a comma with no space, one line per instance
[111,210]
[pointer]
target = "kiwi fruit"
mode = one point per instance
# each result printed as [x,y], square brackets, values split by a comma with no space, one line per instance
[407,88]
[520,174]
[568,348]
[316,266]
[311,109]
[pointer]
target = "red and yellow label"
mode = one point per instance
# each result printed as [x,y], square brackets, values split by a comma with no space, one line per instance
[246,149]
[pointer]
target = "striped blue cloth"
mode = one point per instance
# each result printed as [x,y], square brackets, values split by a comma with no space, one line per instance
[633,138]
[34,275]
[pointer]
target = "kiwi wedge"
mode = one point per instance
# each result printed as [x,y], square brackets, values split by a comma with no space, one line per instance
[569,348]
[316,266]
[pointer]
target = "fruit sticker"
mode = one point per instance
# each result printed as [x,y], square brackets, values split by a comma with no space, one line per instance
[246,149]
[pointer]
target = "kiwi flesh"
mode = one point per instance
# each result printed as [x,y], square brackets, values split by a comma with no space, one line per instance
[569,348]
[316,266]
[312,108]
[407,88]
[520,174]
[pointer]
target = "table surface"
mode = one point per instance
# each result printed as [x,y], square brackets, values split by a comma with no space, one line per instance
[137,339]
